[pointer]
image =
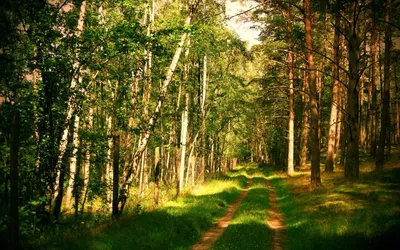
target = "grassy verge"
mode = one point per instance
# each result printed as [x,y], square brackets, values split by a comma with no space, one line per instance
[247,229]
[176,225]
[341,215]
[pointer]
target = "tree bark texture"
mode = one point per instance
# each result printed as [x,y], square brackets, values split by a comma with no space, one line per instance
[203,121]
[157,110]
[385,114]
[71,107]
[290,166]
[72,164]
[333,121]
[14,172]
[374,80]
[305,122]
[314,106]
[351,167]
[115,200]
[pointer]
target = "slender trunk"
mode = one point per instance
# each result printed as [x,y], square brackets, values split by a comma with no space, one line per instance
[368,116]
[72,164]
[14,172]
[35,75]
[155,115]
[333,121]
[86,164]
[351,168]
[115,199]
[374,78]
[339,126]
[157,173]
[362,123]
[203,121]
[185,122]
[58,187]
[109,171]
[305,123]
[314,103]
[398,107]
[385,114]
[290,166]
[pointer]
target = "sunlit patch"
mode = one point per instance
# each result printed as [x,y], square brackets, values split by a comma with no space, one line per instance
[215,187]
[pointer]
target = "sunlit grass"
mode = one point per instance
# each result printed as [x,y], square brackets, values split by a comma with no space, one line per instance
[248,229]
[364,214]
[177,224]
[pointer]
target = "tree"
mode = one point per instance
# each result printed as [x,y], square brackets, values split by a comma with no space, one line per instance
[385,114]
[14,193]
[71,106]
[333,122]
[352,109]
[290,168]
[315,148]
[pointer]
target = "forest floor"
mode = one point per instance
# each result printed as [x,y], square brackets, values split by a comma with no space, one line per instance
[253,208]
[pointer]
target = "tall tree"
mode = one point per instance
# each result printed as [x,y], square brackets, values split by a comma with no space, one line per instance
[333,122]
[314,100]
[385,114]
[70,110]
[14,172]
[374,79]
[290,167]
[351,168]
[157,110]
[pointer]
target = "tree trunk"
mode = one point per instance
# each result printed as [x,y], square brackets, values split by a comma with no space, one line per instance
[398,108]
[203,121]
[385,114]
[58,187]
[72,164]
[351,168]
[314,106]
[333,121]
[153,118]
[109,171]
[157,172]
[185,122]
[339,125]
[14,172]
[290,167]
[305,123]
[374,79]
[86,164]
[115,199]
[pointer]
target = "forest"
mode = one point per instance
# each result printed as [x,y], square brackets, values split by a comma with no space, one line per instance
[152,124]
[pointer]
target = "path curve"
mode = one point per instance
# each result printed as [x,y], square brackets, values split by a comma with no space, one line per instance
[211,236]
[276,220]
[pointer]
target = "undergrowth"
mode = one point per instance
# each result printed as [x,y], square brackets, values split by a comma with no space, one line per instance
[248,229]
[364,214]
[177,224]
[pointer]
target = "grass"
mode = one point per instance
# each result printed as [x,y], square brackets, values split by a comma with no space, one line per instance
[342,215]
[176,225]
[247,229]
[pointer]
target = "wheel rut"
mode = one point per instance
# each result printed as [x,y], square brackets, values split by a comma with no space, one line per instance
[211,236]
[276,220]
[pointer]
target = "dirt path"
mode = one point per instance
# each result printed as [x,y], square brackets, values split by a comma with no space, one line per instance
[210,237]
[276,221]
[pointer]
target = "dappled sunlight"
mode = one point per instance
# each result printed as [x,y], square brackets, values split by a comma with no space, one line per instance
[215,187]
[248,228]
[359,211]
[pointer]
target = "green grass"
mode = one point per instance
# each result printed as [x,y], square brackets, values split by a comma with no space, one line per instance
[176,225]
[341,215]
[247,229]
